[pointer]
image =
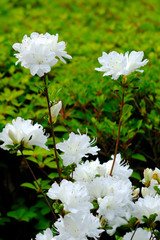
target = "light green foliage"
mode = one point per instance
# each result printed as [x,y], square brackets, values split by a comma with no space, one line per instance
[89,101]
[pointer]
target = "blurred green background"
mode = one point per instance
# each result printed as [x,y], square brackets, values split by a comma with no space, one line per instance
[89,101]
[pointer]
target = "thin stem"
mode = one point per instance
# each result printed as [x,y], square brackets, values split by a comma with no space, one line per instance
[135,230]
[52,131]
[119,131]
[72,173]
[30,169]
[152,237]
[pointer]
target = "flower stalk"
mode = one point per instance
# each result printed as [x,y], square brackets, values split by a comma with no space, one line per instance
[119,127]
[52,131]
[135,230]
[31,171]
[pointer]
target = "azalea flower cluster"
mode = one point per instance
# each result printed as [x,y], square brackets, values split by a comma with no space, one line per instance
[115,199]
[149,203]
[39,52]
[117,64]
[23,132]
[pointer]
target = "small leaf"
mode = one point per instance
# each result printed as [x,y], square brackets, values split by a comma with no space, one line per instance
[126,112]
[53,175]
[156,188]
[139,157]
[136,176]
[28,185]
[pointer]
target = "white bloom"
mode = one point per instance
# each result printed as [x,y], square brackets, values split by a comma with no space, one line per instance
[57,48]
[116,64]
[23,131]
[87,171]
[99,188]
[121,168]
[112,64]
[140,234]
[145,191]
[55,109]
[46,236]
[76,147]
[78,227]
[147,206]
[150,190]
[134,61]
[74,196]
[38,52]
[115,201]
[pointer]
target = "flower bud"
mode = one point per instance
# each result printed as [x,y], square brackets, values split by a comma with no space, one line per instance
[136,192]
[13,136]
[55,109]
[148,173]
[156,175]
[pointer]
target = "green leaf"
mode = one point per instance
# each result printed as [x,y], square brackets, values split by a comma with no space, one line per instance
[139,157]
[150,222]
[22,214]
[126,113]
[53,175]
[60,129]
[136,176]
[95,205]
[156,188]
[28,185]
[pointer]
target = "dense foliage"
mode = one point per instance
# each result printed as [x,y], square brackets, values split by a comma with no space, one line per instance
[89,101]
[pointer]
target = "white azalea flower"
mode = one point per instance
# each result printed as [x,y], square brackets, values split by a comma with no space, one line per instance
[74,196]
[112,64]
[147,206]
[116,64]
[57,48]
[134,61]
[76,147]
[46,236]
[115,200]
[99,188]
[23,131]
[150,190]
[87,171]
[121,168]
[118,198]
[38,52]
[55,109]
[78,227]
[150,180]
[140,234]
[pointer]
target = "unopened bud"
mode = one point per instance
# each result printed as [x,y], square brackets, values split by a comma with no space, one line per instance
[156,175]
[55,109]
[136,192]
[12,136]
[148,173]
